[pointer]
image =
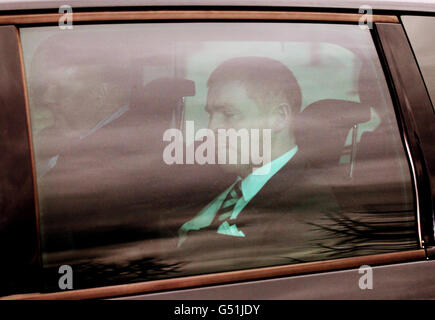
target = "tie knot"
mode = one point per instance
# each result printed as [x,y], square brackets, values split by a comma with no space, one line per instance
[230,201]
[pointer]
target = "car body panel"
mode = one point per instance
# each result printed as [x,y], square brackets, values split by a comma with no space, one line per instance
[413,280]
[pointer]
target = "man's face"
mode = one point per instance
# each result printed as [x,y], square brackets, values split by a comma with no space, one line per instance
[229,107]
[79,98]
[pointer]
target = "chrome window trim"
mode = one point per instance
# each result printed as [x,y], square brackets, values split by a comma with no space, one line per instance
[420,5]
[414,179]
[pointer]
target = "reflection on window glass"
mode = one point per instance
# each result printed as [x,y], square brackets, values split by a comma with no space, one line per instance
[163,151]
[421,38]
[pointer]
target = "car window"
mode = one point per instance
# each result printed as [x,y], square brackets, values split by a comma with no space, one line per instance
[167,149]
[423,46]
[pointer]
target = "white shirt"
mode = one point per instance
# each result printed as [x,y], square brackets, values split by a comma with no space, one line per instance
[250,186]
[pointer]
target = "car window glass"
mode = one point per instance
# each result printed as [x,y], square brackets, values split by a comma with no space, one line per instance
[421,38]
[168,149]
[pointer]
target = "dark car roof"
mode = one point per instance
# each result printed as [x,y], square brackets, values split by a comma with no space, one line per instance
[411,5]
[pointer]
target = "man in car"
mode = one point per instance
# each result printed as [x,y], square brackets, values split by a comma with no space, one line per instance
[99,142]
[75,94]
[265,215]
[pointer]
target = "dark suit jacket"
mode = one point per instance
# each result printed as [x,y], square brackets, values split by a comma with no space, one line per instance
[279,223]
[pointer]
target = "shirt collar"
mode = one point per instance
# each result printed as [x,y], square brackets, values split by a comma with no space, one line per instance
[253,183]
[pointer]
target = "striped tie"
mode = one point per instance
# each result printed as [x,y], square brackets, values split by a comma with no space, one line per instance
[227,207]
[225,211]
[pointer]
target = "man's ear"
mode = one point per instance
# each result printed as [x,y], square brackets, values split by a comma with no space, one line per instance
[282,117]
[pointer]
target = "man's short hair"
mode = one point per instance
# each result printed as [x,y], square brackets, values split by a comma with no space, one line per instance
[265,80]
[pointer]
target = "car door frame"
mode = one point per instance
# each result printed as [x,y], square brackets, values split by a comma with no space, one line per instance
[407,101]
